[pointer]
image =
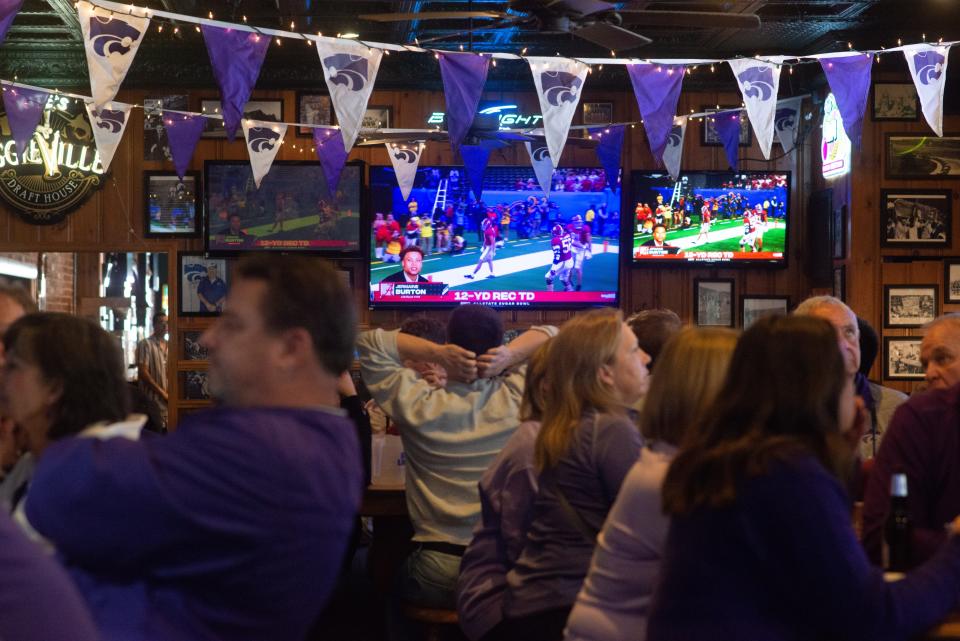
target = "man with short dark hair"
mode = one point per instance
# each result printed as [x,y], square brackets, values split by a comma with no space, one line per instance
[234,526]
[654,327]
[450,435]
[411,262]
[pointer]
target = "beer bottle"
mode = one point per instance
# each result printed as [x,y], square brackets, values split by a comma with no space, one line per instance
[897,529]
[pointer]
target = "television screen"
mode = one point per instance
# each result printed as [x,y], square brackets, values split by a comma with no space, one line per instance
[171,204]
[513,248]
[708,217]
[291,211]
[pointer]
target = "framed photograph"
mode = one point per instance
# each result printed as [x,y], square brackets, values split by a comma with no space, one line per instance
[597,113]
[840,282]
[951,280]
[838,232]
[377,117]
[714,302]
[753,308]
[895,101]
[192,349]
[269,110]
[203,285]
[708,132]
[193,384]
[910,305]
[171,207]
[313,109]
[901,358]
[910,156]
[916,217]
[155,146]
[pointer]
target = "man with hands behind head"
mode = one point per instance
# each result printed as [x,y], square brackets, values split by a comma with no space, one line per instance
[450,435]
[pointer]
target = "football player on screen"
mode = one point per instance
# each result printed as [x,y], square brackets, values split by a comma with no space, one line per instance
[580,235]
[562,246]
[489,227]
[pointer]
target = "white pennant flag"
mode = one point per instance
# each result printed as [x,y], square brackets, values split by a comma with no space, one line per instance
[542,165]
[759,82]
[108,125]
[111,40]
[674,149]
[928,66]
[350,69]
[787,121]
[405,159]
[559,83]
[263,142]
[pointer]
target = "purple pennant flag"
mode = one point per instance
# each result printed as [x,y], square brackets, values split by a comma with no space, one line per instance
[657,88]
[849,78]
[8,11]
[24,108]
[236,57]
[727,124]
[332,155]
[475,159]
[464,75]
[183,133]
[608,150]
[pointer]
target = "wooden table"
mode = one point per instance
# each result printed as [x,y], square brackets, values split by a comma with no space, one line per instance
[392,532]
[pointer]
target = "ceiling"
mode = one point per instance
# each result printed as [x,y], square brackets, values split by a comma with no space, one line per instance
[44,46]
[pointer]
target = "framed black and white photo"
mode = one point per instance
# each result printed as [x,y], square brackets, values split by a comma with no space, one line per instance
[901,358]
[714,299]
[203,285]
[708,131]
[910,156]
[840,282]
[951,280]
[753,308]
[915,217]
[171,207]
[268,110]
[313,109]
[597,113]
[192,349]
[910,305]
[194,385]
[155,145]
[377,117]
[895,101]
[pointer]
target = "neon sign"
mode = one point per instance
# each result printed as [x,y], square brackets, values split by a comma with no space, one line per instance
[835,148]
[509,116]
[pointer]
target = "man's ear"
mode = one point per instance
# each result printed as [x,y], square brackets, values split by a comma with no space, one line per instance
[295,344]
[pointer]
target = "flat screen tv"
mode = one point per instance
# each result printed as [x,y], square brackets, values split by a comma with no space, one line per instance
[501,250]
[292,210]
[710,217]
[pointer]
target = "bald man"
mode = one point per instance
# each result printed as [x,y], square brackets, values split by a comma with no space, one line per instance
[940,352]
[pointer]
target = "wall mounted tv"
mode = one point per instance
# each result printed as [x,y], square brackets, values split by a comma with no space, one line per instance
[710,217]
[290,212]
[513,248]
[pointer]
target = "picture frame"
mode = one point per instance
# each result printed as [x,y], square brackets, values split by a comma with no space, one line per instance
[194,268]
[907,306]
[916,218]
[901,358]
[911,156]
[840,282]
[714,300]
[313,108]
[755,306]
[838,232]
[895,101]
[708,132]
[171,207]
[192,349]
[194,385]
[597,113]
[267,110]
[156,147]
[377,117]
[951,280]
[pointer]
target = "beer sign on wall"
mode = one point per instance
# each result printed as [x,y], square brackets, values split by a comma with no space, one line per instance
[60,168]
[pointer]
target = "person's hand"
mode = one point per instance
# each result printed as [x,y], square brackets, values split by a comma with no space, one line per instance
[460,363]
[432,373]
[345,386]
[494,361]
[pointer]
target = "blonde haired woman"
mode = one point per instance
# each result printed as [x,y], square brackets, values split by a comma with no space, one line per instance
[587,443]
[615,598]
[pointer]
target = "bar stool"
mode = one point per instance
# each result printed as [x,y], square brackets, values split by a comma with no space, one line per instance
[438,624]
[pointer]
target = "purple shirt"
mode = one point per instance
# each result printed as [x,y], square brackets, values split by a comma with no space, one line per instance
[923,440]
[233,527]
[782,563]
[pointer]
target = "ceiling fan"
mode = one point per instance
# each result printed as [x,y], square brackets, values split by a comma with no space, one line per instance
[596,21]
